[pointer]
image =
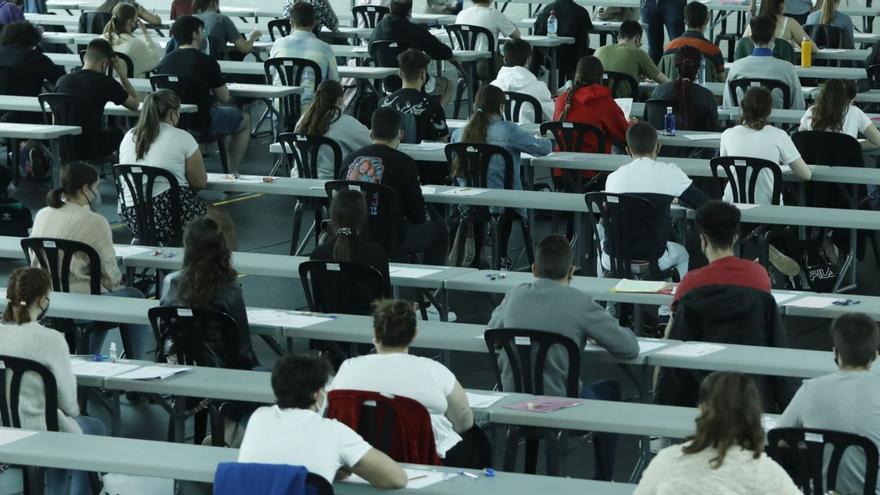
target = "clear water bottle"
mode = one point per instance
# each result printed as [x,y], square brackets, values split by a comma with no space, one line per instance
[113,354]
[552,24]
[670,122]
[701,75]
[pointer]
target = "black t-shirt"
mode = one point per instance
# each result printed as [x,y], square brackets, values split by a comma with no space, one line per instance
[22,72]
[410,35]
[192,64]
[423,116]
[95,90]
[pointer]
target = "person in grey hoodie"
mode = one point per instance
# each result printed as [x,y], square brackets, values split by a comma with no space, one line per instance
[552,305]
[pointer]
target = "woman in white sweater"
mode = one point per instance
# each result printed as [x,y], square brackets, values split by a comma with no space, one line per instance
[325,118]
[69,216]
[726,454]
[22,336]
[144,54]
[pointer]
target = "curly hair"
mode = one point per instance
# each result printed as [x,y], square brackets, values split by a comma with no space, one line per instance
[207,263]
[831,106]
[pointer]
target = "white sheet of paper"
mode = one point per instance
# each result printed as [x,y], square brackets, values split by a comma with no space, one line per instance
[745,206]
[705,136]
[782,297]
[423,146]
[404,272]
[428,189]
[482,400]
[691,349]
[626,285]
[812,302]
[229,178]
[289,319]
[832,50]
[82,367]
[464,191]
[123,251]
[418,478]
[9,435]
[152,373]
[645,345]
[625,105]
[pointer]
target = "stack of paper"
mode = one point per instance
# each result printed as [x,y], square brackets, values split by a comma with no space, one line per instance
[648,286]
[428,190]
[745,206]
[483,400]
[782,297]
[152,373]
[82,367]
[215,177]
[123,251]
[691,349]
[645,345]
[545,404]
[464,191]
[625,105]
[703,136]
[286,319]
[817,302]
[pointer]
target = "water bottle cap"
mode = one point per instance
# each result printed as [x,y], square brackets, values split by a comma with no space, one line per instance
[552,12]
[668,109]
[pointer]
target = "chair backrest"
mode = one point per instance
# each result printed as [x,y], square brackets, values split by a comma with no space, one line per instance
[341,287]
[514,104]
[873,72]
[279,28]
[621,84]
[396,425]
[137,183]
[825,35]
[526,352]
[570,136]
[834,149]
[474,159]
[56,255]
[743,84]
[190,91]
[301,151]
[655,111]
[812,457]
[64,109]
[12,371]
[368,15]
[93,22]
[385,221]
[384,54]
[742,174]
[194,336]
[633,230]
[291,71]
[467,36]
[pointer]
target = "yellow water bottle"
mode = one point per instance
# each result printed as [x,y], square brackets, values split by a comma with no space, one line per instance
[806,53]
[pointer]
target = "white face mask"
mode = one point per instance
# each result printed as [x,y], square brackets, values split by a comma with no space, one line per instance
[322,396]
[95,199]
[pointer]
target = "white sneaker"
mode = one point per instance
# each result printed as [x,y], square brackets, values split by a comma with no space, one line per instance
[434,314]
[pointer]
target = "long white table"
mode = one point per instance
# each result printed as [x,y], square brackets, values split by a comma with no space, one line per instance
[41,132]
[10,103]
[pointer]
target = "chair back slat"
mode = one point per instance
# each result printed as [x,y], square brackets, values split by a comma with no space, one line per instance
[742,175]
[135,184]
[12,372]
[526,352]
[56,255]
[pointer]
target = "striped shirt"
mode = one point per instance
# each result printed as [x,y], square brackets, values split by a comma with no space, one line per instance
[304,44]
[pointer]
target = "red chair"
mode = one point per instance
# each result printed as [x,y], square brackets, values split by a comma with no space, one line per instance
[396,425]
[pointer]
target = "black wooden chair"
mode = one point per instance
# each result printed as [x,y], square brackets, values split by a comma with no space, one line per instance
[368,15]
[135,185]
[621,84]
[279,28]
[384,54]
[466,37]
[515,102]
[290,72]
[743,84]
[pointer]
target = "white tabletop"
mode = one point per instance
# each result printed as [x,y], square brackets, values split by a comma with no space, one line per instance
[12,130]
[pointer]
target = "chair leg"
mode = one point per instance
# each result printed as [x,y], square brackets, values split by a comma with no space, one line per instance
[875,246]
[297,225]
[496,249]
[33,480]
[533,444]
[511,448]
[459,91]
[200,427]
[224,159]
[527,239]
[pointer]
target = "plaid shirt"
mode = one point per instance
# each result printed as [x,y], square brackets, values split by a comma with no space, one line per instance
[324,14]
[304,44]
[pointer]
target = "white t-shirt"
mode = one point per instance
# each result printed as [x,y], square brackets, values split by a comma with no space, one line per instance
[421,379]
[770,143]
[492,19]
[300,437]
[854,121]
[169,151]
[645,175]
[672,472]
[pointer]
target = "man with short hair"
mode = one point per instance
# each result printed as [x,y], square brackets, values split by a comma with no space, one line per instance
[515,77]
[382,163]
[188,62]
[551,304]
[696,16]
[762,64]
[302,43]
[95,88]
[847,399]
[423,115]
[220,30]
[627,56]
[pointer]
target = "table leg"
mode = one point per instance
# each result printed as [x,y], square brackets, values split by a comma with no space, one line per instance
[554,72]
[56,162]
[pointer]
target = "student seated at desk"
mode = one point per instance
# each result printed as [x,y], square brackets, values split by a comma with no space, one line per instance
[834,112]
[383,163]
[149,17]
[727,451]
[845,400]
[697,108]
[755,138]
[207,280]
[220,30]
[157,141]
[326,118]
[69,216]
[10,11]
[294,430]
[575,315]
[762,64]
[95,88]
[393,370]
[696,17]
[144,54]
[515,77]
[784,25]
[482,14]
[217,115]
[22,336]
[422,113]
[572,20]
[302,43]
[829,15]
[627,56]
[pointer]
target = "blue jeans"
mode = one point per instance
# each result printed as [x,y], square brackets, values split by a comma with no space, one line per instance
[225,120]
[138,335]
[604,444]
[657,14]
[67,481]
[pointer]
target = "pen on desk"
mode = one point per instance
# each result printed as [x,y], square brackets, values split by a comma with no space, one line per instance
[169,254]
[418,477]
[469,475]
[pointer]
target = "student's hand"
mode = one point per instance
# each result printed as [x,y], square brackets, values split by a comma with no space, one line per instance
[633,120]
[342,474]
[255,36]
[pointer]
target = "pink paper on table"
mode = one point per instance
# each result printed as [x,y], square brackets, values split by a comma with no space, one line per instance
[545,404]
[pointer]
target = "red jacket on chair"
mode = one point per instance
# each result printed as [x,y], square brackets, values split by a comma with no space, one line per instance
[411,436]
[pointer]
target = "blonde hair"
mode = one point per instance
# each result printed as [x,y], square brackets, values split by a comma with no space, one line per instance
[156,108]
[116,27]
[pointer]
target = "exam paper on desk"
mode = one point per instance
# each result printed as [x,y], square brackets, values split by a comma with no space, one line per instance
[691,349]
[464,191]
[405,272]
[9,435]
[105,369]
[123,251]
[645,345]
[288,319]
[817,302]
[152,373]
[481,401]
[417,478]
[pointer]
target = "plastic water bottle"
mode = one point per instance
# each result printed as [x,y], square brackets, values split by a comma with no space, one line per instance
[552,24]
[701,75]
[113,354]
[670,122]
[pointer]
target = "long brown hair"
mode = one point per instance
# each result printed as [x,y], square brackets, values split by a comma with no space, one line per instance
[756,106]
[74,176]
[687,60]
[207,262]
[488,102]
[25,287]
[348,218]
[323,111]
[589,71]
[831,105]
[828,9]
[771,9]
[156,108]
[116,27]
[730,415]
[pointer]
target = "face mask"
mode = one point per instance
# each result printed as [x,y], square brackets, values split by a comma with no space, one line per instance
[95,202]
[43,310]
[323,407]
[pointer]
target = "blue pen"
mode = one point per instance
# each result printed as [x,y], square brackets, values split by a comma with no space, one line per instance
[100,357]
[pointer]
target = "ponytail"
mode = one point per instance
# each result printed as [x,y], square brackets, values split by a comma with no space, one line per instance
[348,218]
[156,108]
[25,287]
[342,244]
[323,111]
[687,61]
[122,14]
[74,176]
[489,101]
[55,198]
